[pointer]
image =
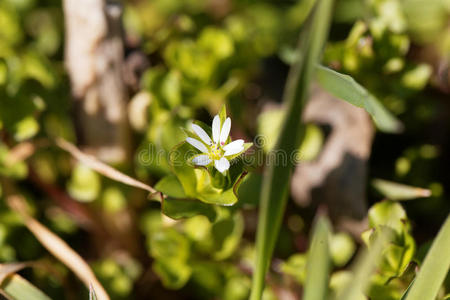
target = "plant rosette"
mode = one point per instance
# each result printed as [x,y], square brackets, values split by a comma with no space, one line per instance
[207,170]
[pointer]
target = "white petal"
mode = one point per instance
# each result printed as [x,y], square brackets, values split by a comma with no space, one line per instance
[197,144]
[216,128]
[201,134]
[225,130]
[222,164]
[234,147]
[201,160]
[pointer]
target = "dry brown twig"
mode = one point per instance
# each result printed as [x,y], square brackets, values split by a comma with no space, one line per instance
[101,167]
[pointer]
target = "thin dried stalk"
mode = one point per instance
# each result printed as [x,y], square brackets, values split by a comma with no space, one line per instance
[56,246]
[101,167]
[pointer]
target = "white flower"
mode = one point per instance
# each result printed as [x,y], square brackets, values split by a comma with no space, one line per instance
[215,150]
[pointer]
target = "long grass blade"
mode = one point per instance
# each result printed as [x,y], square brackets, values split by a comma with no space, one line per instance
[276,178]
[434,268]
[17,288]
[399,192]
[318,264]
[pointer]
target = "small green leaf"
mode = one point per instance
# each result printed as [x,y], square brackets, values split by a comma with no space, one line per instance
[84,184]
[210,195]
[296,267]
[9,168]
[25,128]
[397,191]
[173,274]
[39,68]
[227,234]
[171,89]
[187,208]
[169,244]
[342,248]
[216,41]
[185,173]
[389,214]
[418,77]
[170,186]
[397,257]
[171,250]
[346,88]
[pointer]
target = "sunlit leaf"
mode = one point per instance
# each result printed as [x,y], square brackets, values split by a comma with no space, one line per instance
[342,248]
[17,288]
[346,88]
[170,186]
[186,208]
[276,179]
[318,263]
[85,184]
[397,191]
[434,268]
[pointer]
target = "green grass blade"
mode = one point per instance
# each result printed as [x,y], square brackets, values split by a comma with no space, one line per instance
[406,292]
[276,178]
[346,88]
[434,268]
[318,264]
[399,192]
[92,295]
[17,288]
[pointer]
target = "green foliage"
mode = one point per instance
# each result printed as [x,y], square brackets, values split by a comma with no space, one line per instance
[342,248]
[318,265]
[16,287]
[193,190]
[117,276]
[399,251]
[434,268]
[85,184]
[345,88]
[196,235]
[396,191]
[275,182]
[171,251]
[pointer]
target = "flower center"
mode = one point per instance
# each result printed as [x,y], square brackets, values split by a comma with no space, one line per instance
[215,152]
